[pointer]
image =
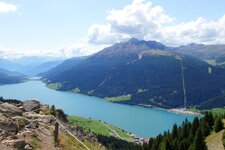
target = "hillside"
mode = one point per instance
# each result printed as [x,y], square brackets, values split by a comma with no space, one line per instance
[29,125]
[30,65]
[215,141]
[142,72]
[64,66]
[7,77]
[42,67]
[99,127]
[214,54]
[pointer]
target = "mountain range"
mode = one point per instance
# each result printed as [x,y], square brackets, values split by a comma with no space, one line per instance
[8,77]
[142,72]
[30,66]
[213,54]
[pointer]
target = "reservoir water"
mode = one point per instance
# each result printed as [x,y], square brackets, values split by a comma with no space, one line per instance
[145,122]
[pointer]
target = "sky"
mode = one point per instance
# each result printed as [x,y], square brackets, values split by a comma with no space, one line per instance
[68,28]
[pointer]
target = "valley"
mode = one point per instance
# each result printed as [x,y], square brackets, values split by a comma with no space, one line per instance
[139,72]
[121,94]
[112,75]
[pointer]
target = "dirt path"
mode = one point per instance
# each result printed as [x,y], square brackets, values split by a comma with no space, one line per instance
[114,132]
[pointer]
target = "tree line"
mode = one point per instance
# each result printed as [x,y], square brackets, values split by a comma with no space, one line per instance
[187,136]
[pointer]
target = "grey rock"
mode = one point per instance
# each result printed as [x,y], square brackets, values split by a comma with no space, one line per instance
[19,144]
[32,125]
[3,109]
[30,105]
[10,110]
[47,119]
[9,126]
[20,121]
[28,147]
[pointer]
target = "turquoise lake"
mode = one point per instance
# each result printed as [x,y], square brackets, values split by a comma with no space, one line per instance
[145,122]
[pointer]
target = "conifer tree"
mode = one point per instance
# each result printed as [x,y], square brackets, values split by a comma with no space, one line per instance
[175,131]
[168,145]
[209,118]
[218,125]
[199,143]
[194,126]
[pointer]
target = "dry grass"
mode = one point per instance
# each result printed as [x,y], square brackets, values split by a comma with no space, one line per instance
[215,140]
[69,143]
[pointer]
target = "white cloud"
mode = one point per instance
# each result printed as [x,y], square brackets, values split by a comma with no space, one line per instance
[134,20]
[198,31]
[142,20]
[7,8]
[81,48]
[77,49]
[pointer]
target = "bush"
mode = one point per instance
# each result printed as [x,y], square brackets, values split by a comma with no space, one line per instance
[61,115]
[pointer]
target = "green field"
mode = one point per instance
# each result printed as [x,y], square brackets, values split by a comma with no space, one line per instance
[217,111]
[98,127]
[118,98]
[55,86]
[141,91]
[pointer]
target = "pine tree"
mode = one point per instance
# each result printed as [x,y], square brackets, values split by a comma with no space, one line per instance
[194,127]
[168,145]
[199,143]
[185,129]
[183,145]
[209,118]
[218,125]
[205,129]
[175,131]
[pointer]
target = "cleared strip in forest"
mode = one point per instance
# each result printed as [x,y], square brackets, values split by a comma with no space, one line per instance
[183,83]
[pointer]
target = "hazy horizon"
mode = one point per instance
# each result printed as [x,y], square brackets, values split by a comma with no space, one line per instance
[67,29]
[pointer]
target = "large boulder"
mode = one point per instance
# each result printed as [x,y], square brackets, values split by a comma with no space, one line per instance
[10,110]
[31,105]
[3,109]
[19,144]
[9,126]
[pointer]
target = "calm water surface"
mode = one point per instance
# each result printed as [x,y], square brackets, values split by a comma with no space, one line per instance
[146,122]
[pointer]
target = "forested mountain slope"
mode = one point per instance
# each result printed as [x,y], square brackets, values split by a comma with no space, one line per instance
[142,72]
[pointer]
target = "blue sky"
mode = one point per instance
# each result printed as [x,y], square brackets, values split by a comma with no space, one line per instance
[75,26]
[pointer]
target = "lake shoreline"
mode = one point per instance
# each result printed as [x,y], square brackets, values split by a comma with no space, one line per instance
[184,111]
[172,110]
[143,122]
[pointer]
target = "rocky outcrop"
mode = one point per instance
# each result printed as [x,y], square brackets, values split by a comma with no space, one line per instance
[29,125]
[10,110]
[31,105]
[20,125]
[9,127]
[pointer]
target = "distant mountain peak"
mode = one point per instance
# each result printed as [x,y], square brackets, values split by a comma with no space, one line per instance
[195,44]
[133,40]
[131,46]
